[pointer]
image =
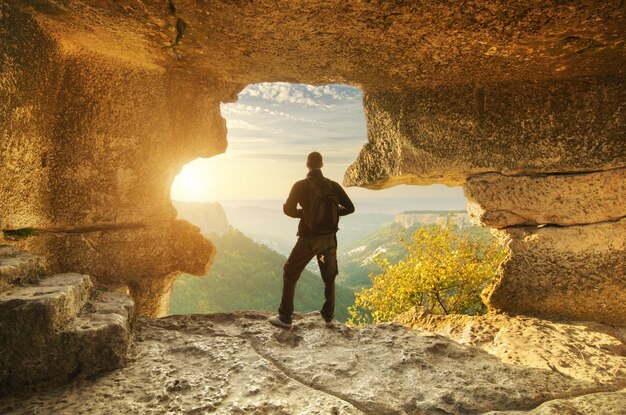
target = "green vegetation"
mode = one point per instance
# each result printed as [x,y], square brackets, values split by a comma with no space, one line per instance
[443,271]
[248,276]
[19,233]
[356,262]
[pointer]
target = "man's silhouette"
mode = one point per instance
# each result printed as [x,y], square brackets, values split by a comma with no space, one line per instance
[320,242]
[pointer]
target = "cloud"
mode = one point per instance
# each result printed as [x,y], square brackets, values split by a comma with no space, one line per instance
[324,97]
[336,93]
[245,109]
[244,125]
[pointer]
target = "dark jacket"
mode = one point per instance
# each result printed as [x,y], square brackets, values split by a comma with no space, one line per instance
[300,195]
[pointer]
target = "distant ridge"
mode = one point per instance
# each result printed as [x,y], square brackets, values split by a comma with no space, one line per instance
[443,212]
[209,217]
[433,217]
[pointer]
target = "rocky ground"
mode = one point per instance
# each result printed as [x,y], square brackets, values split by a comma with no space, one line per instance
[237,363]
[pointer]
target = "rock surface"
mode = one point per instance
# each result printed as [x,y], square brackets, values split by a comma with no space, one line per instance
[239,364]
[18,266]
[613,403]
[501,201]
[576,350]
[575,272]
[147,259]
[58,328]
[446,134]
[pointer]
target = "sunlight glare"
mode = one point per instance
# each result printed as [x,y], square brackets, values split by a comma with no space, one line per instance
[195,183]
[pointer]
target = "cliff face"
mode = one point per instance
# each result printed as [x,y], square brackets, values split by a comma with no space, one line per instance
[209,217]
[408,219]
[101,104]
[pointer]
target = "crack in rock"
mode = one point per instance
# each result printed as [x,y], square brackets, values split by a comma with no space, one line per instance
[378,409]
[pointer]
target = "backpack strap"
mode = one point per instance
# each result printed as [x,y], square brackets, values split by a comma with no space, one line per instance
[319,185]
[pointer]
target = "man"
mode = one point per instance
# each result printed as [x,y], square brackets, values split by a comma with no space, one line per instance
[316,237]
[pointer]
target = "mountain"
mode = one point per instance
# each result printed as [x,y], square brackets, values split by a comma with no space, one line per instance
[248,276]
[356,261]
[209,217]
[267,224]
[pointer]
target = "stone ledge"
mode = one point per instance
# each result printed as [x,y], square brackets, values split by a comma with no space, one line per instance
[501,201]
[147,259]
[49,304]
[17,265]
[237,363]
[60,329]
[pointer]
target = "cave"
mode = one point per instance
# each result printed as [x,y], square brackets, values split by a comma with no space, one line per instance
[102,103]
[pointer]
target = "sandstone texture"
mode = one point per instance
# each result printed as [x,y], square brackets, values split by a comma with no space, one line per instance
[58,328]
[501,201]
[18,266]
[592,404]
[101,103]
[239,364]
[598,350]
[573,270]
[445,134]
[576,272]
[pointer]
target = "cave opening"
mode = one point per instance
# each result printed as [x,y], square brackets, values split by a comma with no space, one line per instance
[236,198]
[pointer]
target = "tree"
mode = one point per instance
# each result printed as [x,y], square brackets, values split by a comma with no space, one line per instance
[443,271]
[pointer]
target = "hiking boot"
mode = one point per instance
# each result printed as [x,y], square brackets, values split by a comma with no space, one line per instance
[331,323]
[279,323]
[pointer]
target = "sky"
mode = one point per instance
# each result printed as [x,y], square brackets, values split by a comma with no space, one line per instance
[271,129]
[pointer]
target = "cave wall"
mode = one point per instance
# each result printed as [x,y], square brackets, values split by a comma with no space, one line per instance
[567,239]
[88,157]
[101,103]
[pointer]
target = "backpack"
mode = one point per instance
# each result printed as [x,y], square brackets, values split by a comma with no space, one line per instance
[323,213]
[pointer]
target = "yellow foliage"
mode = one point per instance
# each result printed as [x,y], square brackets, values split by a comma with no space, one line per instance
[443,271]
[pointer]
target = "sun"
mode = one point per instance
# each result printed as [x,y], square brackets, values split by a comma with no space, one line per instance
[195,183]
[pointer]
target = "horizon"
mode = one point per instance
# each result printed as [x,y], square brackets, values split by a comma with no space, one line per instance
[391,206]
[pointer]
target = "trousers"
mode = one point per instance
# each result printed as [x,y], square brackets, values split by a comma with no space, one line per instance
[324,247]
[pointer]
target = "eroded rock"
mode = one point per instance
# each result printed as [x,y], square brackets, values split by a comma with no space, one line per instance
[446,134]
[145,258]
[57,329]
[237,363]
[500,201]
[591,404]
[18,266]
[575,272]
[578,350]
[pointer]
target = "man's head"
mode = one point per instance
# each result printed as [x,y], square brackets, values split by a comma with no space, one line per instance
[314,160]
